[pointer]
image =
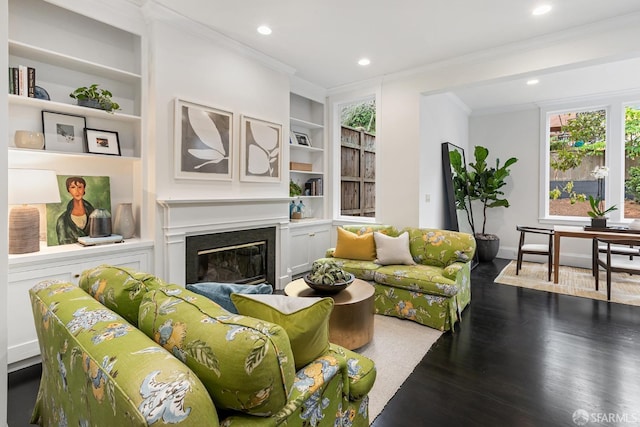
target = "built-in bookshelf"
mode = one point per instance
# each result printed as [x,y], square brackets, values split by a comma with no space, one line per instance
[307,154]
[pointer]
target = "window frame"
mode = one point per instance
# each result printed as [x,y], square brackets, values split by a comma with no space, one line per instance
[336,154]
[614,106]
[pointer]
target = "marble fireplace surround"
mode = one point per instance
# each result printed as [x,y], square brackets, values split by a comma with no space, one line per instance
[181,218]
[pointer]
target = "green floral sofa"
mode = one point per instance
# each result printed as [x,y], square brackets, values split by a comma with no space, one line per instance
[434,291]
[126,349]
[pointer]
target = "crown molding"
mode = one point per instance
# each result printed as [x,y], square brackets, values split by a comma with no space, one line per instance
[156,12]
[615,23]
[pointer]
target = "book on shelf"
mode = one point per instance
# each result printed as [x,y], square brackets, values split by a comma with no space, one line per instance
[314,187]
[31,82]
[22,81]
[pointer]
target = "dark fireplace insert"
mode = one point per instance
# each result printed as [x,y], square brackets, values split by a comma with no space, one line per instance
[242,256]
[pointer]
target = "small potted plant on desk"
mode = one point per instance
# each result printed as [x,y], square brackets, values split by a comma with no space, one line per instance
[94,97]
[598,212]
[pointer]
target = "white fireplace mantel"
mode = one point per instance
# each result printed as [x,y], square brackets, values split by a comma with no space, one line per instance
[190,217]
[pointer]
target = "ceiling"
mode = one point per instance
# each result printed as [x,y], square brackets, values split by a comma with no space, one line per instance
[323,40]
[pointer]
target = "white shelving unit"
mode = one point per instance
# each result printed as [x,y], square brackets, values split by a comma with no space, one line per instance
[81,52]
[307,117]
[309,237]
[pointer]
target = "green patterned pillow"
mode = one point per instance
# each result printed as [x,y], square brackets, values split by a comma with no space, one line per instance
[118,288]
[306,321]
[246,364]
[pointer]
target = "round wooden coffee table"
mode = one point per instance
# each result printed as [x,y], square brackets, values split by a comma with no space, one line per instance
[351,321]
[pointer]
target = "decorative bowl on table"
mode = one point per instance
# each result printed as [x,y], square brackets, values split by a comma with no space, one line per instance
[329,288]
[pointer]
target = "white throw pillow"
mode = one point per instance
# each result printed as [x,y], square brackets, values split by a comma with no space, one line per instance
[393,250]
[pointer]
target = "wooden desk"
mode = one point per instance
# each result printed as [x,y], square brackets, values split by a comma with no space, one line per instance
[580,233]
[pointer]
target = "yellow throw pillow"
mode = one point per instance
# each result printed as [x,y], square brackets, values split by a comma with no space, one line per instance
[352,246]
[306,321]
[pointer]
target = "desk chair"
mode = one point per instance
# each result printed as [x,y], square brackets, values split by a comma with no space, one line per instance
[617,265]
[535,248]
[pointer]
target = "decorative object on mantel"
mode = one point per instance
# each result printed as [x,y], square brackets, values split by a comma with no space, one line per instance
[27,186]
[260,150]
[29,139]
[598,212]
[94,97]
[203,142]
[124,224]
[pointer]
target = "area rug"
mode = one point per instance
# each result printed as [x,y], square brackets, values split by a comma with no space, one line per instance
[396,348]
[575,281]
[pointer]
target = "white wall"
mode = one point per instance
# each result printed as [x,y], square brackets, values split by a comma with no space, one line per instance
[443,118]
[194,64]
[511,134]
[400,119]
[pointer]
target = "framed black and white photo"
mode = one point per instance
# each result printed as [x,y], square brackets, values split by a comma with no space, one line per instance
[102,142]
[63,132]
[260,150]
[302,139]
[203,142]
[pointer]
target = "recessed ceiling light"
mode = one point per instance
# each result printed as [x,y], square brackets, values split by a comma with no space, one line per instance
[264,30]
[541,10]
[364,61]
[533,82]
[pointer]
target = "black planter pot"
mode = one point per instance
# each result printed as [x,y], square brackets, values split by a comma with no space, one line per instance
[599,222]
[487,246]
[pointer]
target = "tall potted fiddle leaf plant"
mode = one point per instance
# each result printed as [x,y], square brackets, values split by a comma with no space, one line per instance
[483,184]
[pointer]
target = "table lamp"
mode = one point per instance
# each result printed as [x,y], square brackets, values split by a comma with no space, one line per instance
[28,186]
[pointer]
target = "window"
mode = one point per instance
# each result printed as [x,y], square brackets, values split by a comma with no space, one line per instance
[357,148]
[577,140]
[632,160]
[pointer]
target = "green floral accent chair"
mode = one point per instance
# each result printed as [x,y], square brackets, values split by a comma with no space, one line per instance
[434,291]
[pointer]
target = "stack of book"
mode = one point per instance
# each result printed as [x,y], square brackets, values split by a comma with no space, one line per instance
[22,81]
[313,187]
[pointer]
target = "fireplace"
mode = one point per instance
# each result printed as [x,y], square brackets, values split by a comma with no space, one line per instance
[242,256]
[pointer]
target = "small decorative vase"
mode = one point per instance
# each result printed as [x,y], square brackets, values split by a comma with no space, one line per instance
[100,223]
[124,223]
[599,222]
[29,139]
[635,224]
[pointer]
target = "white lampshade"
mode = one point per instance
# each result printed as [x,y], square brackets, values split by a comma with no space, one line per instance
[35,186]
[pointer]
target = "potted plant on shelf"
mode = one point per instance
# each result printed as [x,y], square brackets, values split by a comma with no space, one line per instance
[94,97]
[481,183]
[598,212]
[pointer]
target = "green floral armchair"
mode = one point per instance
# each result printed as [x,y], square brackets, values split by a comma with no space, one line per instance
[434,291]
[182,359]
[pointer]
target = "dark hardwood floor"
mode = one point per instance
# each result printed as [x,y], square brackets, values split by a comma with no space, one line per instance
[519,358]
[526,358]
